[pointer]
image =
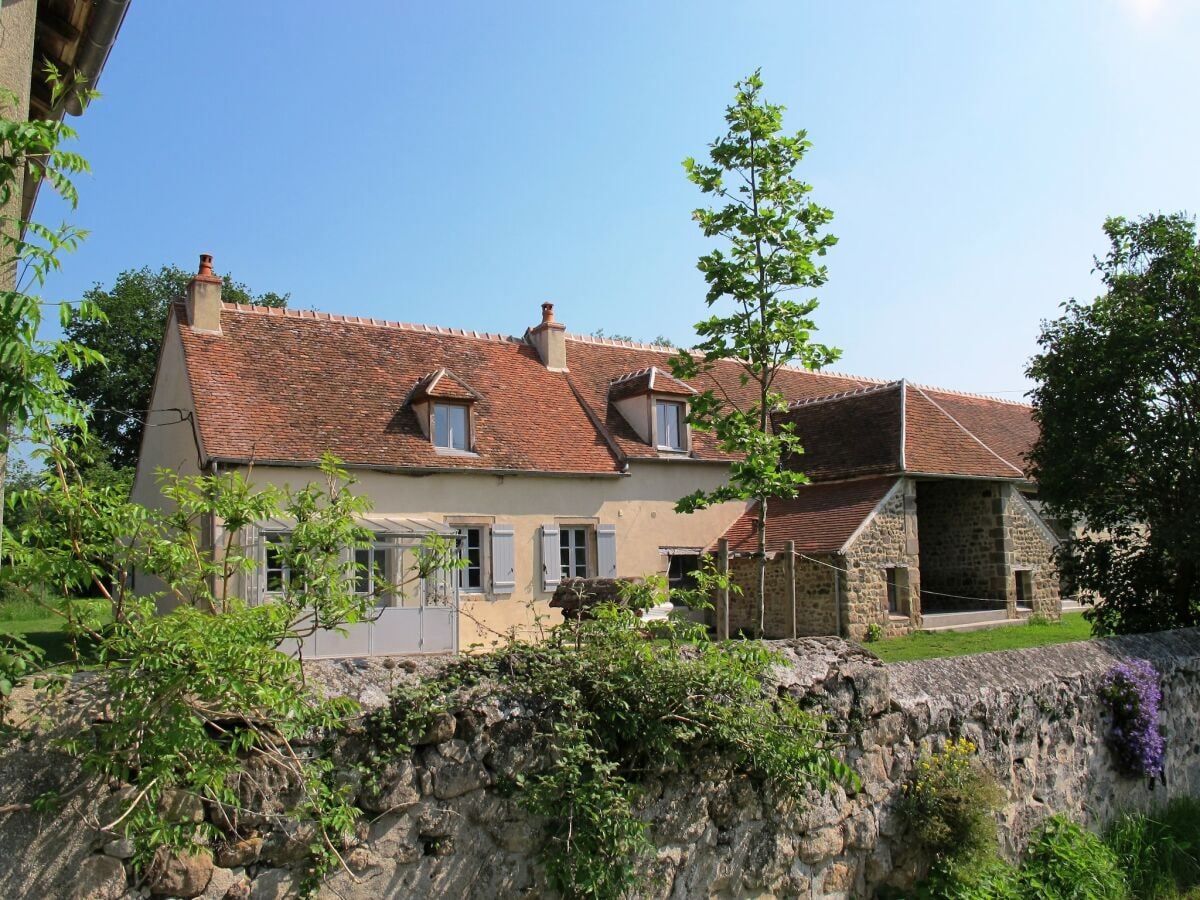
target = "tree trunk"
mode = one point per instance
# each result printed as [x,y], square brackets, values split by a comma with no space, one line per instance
[762,568]
[3,479]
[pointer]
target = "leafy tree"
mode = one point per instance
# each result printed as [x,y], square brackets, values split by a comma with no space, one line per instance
[1118,403]
[135,310]
[32,392]
[773,233]
[660,340]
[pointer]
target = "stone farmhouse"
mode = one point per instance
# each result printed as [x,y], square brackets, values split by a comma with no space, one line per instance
[554,456]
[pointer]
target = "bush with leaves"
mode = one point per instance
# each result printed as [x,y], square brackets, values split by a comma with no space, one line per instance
[623,700]
[192,694]
[950,804]
[1062,862]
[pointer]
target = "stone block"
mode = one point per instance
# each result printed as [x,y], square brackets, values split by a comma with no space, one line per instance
[99,878]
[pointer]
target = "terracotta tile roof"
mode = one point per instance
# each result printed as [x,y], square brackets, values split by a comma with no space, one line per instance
[849,434]
[651,380]
[595,363]
[442,384]
[1007,428]
[820,519]
[287,385]
[936,443]
[856,433]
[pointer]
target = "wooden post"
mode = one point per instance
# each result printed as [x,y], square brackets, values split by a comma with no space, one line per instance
[790,556]
[723,593]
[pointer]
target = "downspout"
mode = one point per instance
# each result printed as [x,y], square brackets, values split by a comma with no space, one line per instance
[903,415]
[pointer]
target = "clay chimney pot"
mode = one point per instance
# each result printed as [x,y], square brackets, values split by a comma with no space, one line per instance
[547,313]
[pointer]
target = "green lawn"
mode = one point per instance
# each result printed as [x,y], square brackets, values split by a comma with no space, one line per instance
[38,626]
[960,643]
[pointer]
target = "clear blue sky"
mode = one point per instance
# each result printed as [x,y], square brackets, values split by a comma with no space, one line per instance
[458,164]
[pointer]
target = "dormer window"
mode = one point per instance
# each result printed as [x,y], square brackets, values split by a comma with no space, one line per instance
[670,419]
[655,404]
[443,405]
[451,426]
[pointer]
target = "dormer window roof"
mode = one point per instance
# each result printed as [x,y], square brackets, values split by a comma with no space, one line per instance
[651,380]
[442,384]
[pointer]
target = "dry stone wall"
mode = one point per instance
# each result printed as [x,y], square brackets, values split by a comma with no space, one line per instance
[961,524]
[882,545]
[815,611]
[1032,545]
[439,825]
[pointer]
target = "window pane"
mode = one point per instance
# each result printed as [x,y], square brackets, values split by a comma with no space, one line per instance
[362,571]
[472,551]
[441,425]
[458,427]
[670,424]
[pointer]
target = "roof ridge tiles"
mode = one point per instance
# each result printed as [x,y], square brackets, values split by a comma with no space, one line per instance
[969,395]
[254,309]
[843,395]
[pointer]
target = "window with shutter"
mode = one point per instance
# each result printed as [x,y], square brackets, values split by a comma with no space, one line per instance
[551,558]
[504,576]
[606,551]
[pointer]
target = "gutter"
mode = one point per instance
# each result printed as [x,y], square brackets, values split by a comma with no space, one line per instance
[97,44]
[410,470]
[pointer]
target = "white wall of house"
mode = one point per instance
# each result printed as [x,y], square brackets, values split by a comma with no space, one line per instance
[167,442]
[640,507]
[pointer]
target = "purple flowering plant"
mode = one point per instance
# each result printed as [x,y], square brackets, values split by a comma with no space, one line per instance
[1133,695]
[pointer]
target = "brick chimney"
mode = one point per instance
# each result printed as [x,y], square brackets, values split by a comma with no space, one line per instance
[550,340]
[204,298]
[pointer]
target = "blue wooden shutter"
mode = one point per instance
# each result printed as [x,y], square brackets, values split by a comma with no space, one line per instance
[551,558]
[504,573]
[606,551]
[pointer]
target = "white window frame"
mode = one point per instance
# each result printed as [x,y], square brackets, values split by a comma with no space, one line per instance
[448,441]
[381,545]
[463,549]
[572,539]
[285,572]
[661,440]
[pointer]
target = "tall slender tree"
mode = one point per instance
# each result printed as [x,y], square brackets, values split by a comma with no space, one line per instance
[771,238]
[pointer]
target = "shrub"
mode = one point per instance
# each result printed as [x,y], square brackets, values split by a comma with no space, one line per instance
[1065,862]
[874,633]
[950,803]
[615,708]
[1133,696]
[1160,850]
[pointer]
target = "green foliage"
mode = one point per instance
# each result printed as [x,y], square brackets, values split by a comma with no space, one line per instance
[1062,862]
[1159,851]
[772,233]
[1118,405]
[621,708]
[1065,862]
[874,633]
[950,805]
[1152,856]
[128,335]
[193,693]
[31,389]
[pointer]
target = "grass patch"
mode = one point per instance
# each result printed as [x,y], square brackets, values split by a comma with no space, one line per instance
[43,628]
[1161,850]
[921,645]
